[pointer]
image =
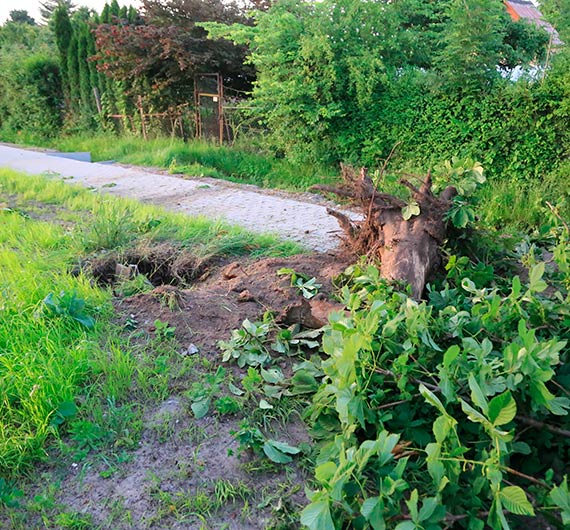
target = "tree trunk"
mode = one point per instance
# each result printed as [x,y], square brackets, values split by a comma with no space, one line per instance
[408,250]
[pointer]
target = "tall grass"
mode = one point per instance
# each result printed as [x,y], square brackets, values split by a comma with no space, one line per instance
[110,222]
[44,358]
[50,361]
[518,205]
[199,158]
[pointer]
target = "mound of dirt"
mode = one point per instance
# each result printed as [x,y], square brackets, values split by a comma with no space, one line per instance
[213,307]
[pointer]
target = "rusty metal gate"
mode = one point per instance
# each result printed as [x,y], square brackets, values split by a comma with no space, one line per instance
[209,101]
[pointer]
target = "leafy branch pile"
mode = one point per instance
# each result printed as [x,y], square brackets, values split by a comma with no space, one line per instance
[446,413]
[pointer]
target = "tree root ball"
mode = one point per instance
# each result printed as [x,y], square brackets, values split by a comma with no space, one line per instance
[408,246]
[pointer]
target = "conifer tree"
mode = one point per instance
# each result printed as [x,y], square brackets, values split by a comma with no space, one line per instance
[63,35]
[49,7]
[73,76]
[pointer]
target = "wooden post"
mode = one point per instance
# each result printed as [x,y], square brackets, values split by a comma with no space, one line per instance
[181,125]
[547,62]
[143,124]
[221,108]
[197,108]
[97,100]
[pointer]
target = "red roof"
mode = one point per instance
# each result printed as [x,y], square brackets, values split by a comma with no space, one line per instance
[528,11]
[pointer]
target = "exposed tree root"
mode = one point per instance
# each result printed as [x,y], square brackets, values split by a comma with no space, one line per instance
[407,249]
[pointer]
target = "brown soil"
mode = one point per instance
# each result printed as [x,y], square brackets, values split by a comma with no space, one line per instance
[177,454]
[221,296]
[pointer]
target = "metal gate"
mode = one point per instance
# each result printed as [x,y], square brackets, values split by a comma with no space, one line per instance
[208,98]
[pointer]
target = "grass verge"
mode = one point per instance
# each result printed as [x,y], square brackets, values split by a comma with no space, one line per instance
[58,347]
[195,158]
[110,223]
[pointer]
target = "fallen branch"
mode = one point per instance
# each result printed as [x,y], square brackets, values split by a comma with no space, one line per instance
[541,425]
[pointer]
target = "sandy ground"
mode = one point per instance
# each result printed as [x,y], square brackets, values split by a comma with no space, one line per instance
[300,218]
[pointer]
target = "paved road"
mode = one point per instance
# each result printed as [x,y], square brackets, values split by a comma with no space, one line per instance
[299,218]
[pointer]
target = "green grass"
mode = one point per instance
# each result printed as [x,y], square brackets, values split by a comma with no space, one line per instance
[109,222]
[44,358]
[513,205]
[195,158]
[51,358]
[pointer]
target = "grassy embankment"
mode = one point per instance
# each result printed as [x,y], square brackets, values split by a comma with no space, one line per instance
[60,354]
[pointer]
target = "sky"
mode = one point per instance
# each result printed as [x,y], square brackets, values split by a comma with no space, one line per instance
[33,6]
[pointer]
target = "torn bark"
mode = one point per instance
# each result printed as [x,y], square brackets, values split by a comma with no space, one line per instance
[408,250]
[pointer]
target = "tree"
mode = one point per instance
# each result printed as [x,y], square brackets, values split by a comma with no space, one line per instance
[21,16]
[63,35]
[49,7]
[473,40]
[87,110]
[73,81]
[328,71]
[161,54]
[30,85]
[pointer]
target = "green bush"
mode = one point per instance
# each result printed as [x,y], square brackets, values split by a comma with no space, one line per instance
[31,99]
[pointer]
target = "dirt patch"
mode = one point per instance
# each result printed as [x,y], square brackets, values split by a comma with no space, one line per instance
[181,473]
[162,264]
[213,307]
[168,484]
[38,211]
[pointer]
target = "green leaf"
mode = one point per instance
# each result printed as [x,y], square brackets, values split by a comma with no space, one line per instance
[85,320]
[273,376]
[432,399]
[317,516]
[386,443]
[536,283]
[477,395]
[502,409]
[412,504]
[497,519]
[441,428]
[450,355]
[274,454]
[65,410]
[325,471]
[284,447]
[514,499]
[200,408]
[265,405]
[373,511]
[303,382]
[410,210]
[560,496]
[462,216]
[516,283]
[235,390]
[428,508]
[474,415]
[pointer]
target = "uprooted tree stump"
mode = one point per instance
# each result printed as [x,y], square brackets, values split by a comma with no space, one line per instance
[408,249]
